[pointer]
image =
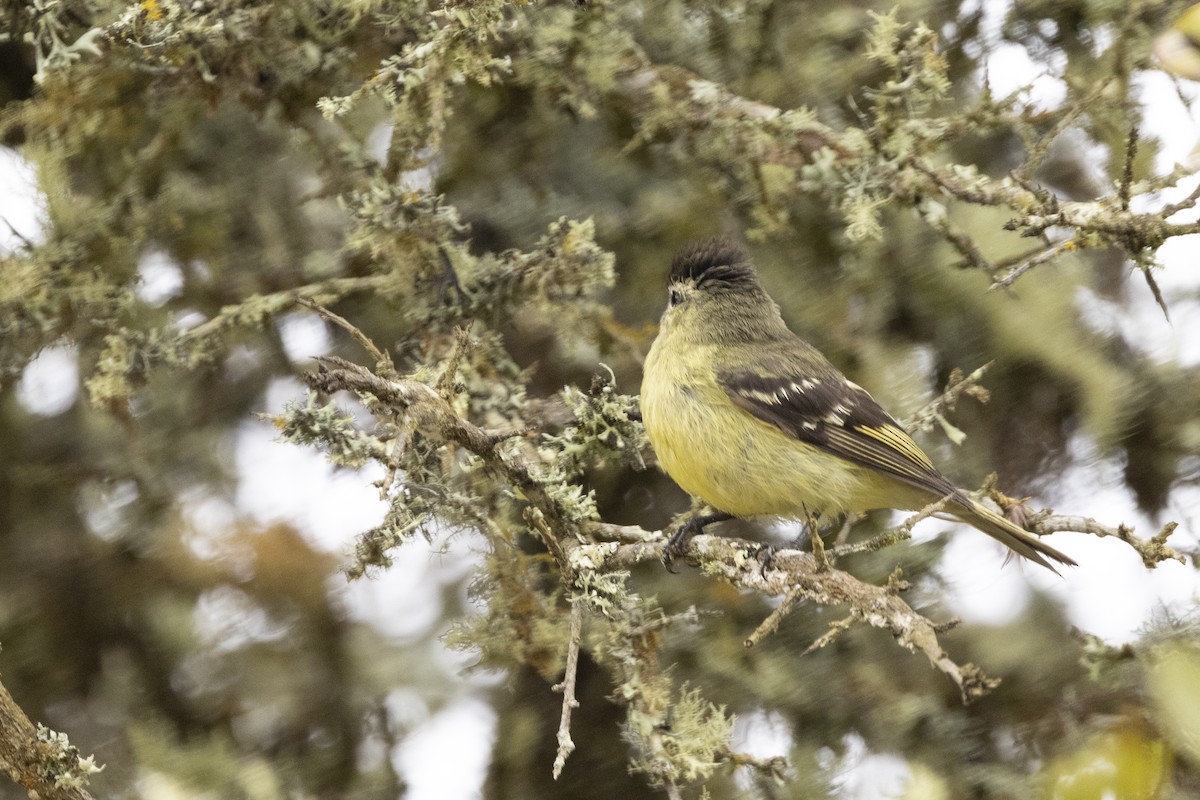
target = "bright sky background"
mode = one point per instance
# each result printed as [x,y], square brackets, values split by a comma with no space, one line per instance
[330,507]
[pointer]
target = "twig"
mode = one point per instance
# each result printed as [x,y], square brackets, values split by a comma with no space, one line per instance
[774,767]
[771,623]
[324,292]
[631,534]
[891,536]
[446,381]
[567,687]
[383,362]
[1036,260]
[1131,147]
[1037,154]
[24,239]
[1157,292]
[844,532]
[1153,551]
[935,216]
[431,412]
[932,412]
[537,522]
[836,629]
[817,543]
[1182,205]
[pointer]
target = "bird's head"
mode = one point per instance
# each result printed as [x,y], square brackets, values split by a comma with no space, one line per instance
[713,294]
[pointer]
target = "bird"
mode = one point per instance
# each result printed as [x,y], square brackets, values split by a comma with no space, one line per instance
[747,416]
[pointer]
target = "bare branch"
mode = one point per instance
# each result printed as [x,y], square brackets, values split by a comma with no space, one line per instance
[771,623]
[1153,551]
[1041,257]
[836,629]
[565,745]
[383,362]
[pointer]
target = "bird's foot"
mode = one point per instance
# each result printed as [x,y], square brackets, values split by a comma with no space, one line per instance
[683,534]
[766,557]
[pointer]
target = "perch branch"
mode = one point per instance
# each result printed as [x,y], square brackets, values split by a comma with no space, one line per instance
[736,561]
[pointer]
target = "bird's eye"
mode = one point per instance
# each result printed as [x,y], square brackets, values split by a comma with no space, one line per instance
[674,298]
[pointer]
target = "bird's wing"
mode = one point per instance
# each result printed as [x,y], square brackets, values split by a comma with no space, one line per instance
[829,412]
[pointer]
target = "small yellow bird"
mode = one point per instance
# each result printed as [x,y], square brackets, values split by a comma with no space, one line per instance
[753,420]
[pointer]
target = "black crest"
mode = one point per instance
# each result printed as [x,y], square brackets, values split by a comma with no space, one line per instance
[717,260]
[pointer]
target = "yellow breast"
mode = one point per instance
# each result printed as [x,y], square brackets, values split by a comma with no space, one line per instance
[728,458]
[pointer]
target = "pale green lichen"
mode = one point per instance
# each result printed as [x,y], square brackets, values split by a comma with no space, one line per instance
[681,742]
[604,431]
[606,592]
[60,762]
[329,429]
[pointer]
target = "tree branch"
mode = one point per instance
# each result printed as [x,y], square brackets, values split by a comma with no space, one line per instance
[565,744]
[42,761]
[737,561]
[694,108]
[1153,551]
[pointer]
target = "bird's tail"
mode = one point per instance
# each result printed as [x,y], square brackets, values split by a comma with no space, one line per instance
[1017,539]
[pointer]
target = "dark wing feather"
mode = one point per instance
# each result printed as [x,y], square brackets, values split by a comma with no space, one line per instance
[829,412]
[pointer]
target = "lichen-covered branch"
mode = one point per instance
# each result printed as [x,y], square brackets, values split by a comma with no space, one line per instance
[42,761]
[741,563]
[433,414]
[787,151]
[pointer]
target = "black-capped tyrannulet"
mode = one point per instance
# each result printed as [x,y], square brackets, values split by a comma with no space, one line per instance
[755,421]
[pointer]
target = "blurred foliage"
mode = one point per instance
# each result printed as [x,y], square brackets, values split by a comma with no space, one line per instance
[490,193]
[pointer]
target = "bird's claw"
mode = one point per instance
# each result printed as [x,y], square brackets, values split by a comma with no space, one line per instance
[766,558]
[677,541]
[680,537]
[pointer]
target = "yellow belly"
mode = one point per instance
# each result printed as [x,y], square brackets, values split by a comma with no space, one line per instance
[734,461]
